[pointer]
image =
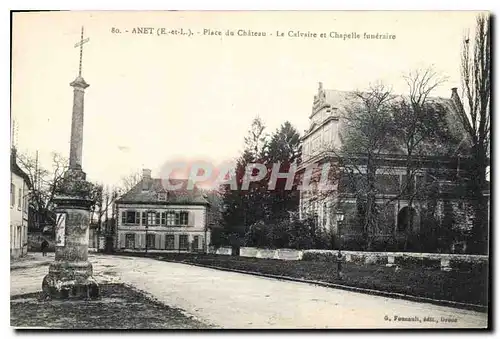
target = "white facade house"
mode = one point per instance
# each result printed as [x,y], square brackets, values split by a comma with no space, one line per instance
[318,142]
[19,193]
[152,218]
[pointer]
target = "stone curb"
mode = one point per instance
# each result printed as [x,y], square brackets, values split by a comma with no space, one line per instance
[455,304]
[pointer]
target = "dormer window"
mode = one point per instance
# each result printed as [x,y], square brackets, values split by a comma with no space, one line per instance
[162,196]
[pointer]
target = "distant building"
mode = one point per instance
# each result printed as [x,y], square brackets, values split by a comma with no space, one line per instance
[19,215]
[339,210]
[151,217]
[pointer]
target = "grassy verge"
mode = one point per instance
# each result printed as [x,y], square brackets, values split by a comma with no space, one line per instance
[119,308]
[458,286]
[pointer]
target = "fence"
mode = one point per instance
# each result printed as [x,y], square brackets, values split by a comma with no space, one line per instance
[445,262]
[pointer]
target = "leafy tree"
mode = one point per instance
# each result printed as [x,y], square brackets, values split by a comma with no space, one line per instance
[242,206]
[282,152]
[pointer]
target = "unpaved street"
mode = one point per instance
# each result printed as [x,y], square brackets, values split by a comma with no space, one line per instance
[233,300]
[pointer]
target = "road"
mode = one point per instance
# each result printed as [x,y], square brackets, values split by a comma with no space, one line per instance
[234,300]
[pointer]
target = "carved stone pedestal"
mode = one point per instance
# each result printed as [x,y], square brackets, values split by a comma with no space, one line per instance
[70,276]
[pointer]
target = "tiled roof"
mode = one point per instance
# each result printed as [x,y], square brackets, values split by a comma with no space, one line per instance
[339,100]
[14,168]
[183,195]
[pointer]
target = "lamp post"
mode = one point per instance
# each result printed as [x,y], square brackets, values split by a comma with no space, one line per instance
[340,218]
[147,222]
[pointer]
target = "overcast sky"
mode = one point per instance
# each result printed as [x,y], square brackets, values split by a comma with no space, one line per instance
[154,99]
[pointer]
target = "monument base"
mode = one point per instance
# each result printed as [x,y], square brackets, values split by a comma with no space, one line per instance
[70,280]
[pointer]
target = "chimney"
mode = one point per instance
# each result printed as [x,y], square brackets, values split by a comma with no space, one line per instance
[146,179]
[13,154]
[454,91]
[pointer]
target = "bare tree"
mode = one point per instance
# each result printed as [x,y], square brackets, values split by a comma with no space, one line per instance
[45,182]
[367,134]
[129,181]
[105,199]
[475,118]
[416,121]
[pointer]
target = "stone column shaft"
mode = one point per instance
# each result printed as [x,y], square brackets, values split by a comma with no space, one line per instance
[76,145]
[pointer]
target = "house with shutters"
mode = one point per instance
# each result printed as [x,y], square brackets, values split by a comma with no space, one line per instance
[19,203]
[154,218]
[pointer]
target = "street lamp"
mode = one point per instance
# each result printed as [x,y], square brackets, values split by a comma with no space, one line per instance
[340,218]
[146,229]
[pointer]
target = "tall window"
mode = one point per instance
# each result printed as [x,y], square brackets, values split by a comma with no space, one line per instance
[183,218]
[183,242]
[12,194]
[176,218]
[25,202]
[19,199]
[170,218]
[151,218]
[151,241]
[130,218]
[163,218]
[169,242]
[130,240]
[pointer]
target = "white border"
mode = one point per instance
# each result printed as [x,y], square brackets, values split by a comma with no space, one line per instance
[186,5]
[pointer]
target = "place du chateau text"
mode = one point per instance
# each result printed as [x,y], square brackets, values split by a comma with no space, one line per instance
[298,34]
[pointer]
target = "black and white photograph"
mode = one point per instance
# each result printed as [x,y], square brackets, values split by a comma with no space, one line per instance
[213,170]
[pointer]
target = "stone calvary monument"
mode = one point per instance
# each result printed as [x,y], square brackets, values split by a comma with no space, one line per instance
[70,275]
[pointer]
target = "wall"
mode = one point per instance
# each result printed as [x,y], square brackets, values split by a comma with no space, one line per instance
[405,259]
[281,254]
[221,250]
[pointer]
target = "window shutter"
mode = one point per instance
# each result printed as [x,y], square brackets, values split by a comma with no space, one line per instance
[158,241]
[190,218]
[122,238]
[124,218]
[139,241]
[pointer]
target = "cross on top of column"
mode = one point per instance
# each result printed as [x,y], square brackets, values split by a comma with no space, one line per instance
[80,44]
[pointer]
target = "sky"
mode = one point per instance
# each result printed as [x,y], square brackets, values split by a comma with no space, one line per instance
[157,99]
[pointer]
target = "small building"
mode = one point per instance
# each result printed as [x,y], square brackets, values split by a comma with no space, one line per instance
[19,215]
[153,218]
